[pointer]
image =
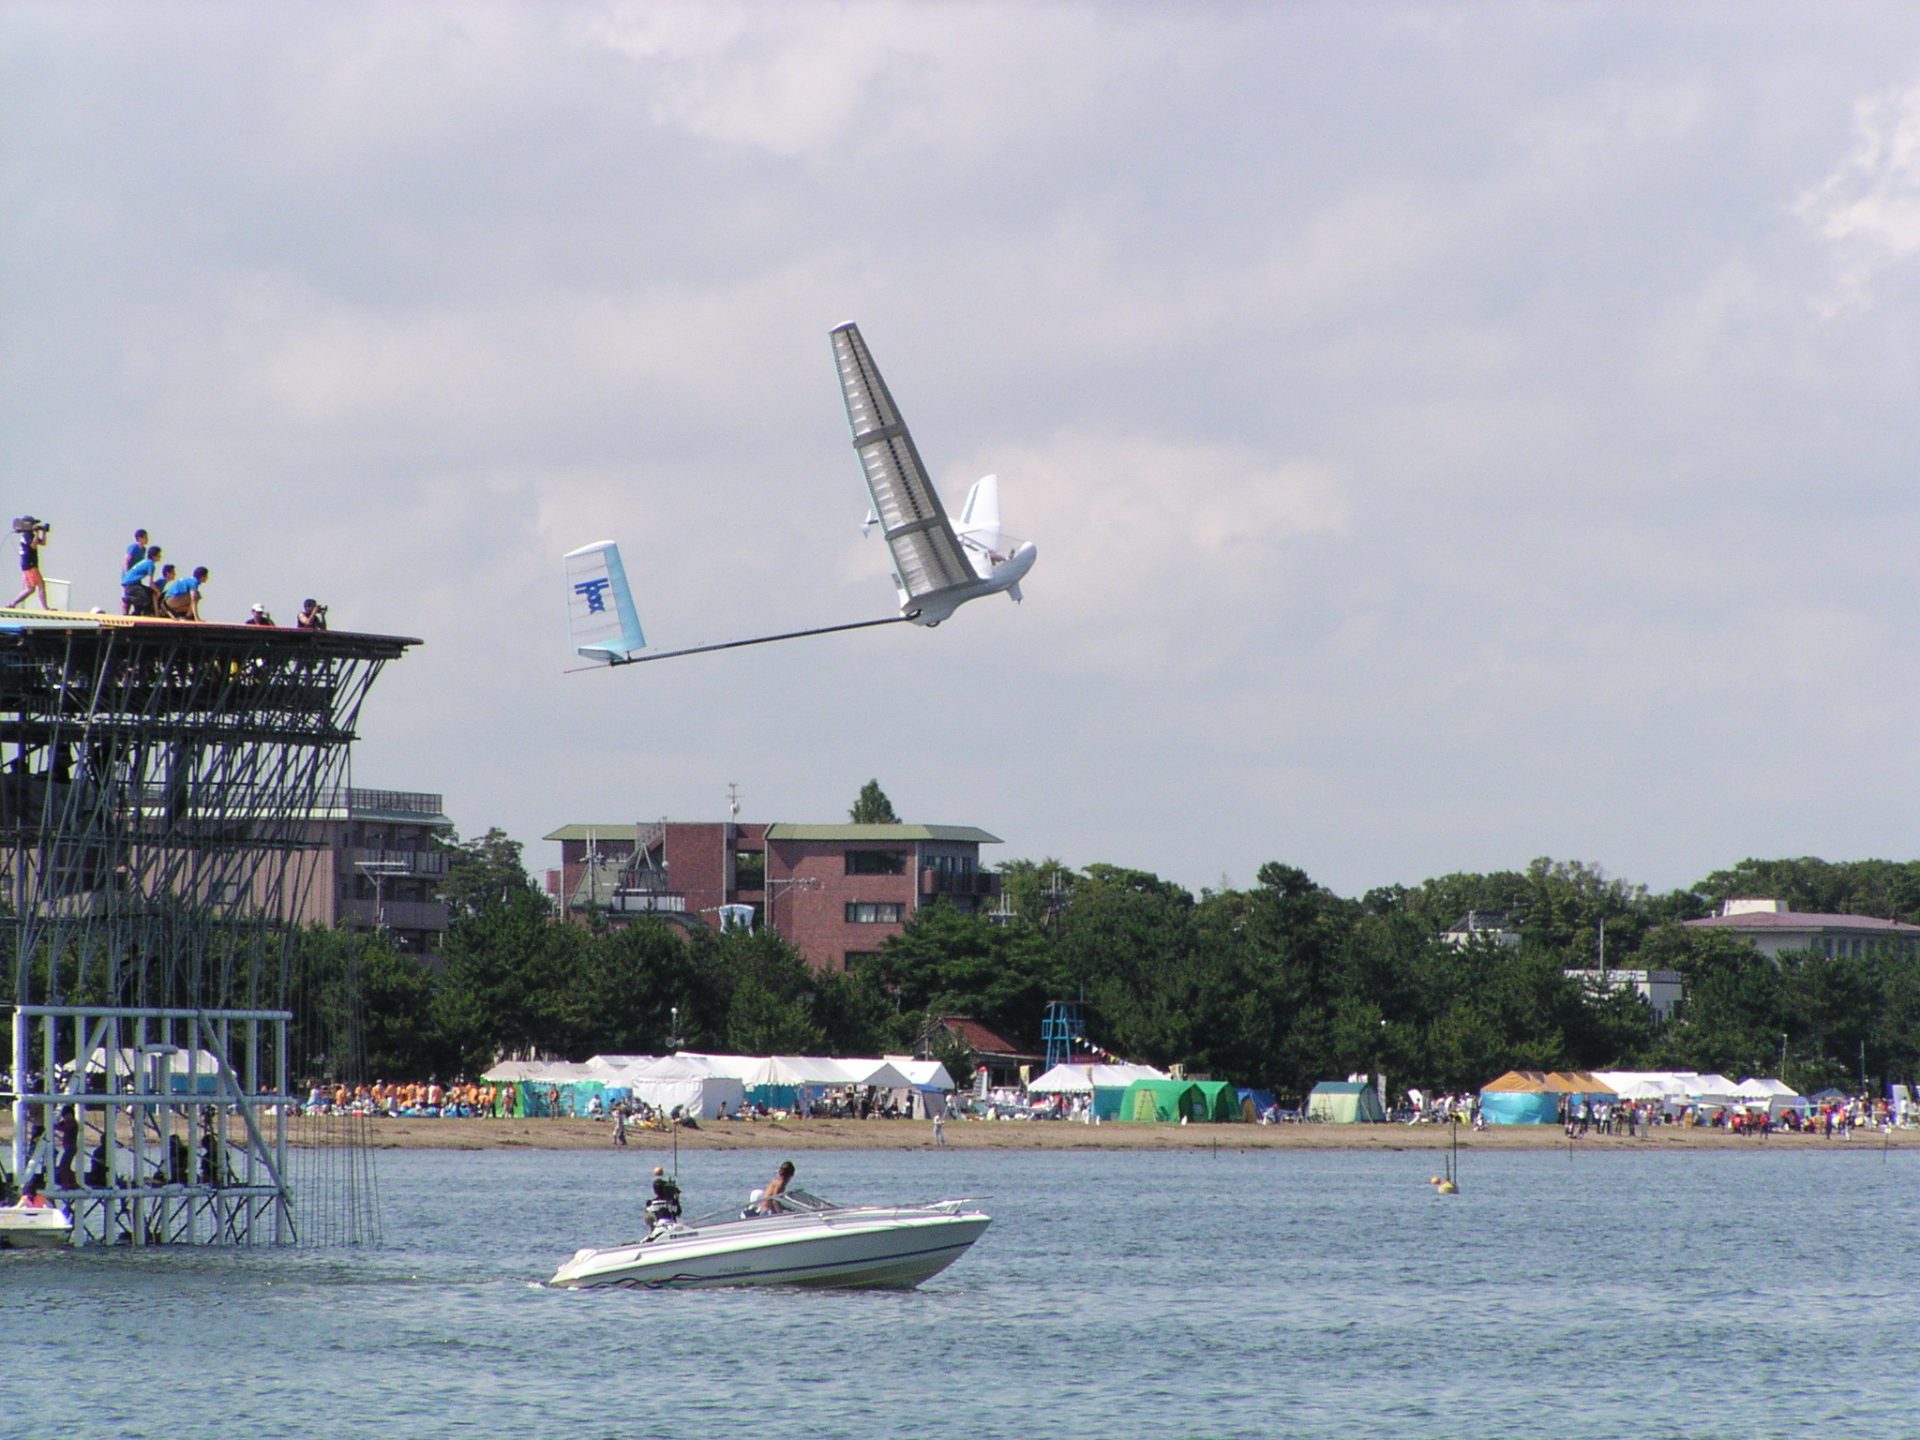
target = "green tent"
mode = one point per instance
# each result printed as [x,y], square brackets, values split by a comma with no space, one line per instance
[1164,1100]
[1222,1099]
[1345,1102]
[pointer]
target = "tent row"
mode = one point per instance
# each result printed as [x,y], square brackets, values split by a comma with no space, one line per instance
[701,1085]
[1132,1093]
[1533,1097]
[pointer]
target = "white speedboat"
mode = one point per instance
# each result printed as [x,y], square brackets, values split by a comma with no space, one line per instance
[25,1228]
[807,1241]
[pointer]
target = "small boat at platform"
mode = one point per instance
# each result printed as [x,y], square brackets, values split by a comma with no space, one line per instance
[806,1241]
[26,1228]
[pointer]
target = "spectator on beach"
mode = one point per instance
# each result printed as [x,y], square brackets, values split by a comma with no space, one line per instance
[182,598]
[136,582]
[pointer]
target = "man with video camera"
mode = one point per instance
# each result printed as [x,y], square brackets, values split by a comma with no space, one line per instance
[312,616]
[33,534]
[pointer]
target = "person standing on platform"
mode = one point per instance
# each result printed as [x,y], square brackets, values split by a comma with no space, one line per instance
[33,534]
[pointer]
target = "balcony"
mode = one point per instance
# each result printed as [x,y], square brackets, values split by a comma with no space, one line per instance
[399,914]
[399,862]
[648,902]
[978,883]
[395,802]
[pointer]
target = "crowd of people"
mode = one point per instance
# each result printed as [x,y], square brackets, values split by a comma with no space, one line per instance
[462,1100]
[151,586]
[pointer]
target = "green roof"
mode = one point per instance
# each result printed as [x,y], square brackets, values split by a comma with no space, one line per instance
[622,831]
[957,834]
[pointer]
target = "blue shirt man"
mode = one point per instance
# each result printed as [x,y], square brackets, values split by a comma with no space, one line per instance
[182,598]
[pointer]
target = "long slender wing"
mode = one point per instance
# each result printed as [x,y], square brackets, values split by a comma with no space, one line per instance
[926,553]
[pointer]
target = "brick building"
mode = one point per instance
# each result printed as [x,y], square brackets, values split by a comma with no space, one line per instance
[834,891]
[375,861]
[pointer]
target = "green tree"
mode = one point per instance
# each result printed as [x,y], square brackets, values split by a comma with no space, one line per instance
[478,871]
[1036,890]
[872,807]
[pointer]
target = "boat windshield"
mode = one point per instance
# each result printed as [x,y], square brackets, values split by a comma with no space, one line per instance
[791,1202]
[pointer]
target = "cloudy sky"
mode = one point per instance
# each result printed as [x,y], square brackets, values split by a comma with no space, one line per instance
[1451,434]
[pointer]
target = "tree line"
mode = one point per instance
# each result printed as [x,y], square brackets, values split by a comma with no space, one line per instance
[1281,984]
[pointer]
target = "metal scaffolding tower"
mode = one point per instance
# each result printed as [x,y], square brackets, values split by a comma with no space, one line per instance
[1060,1027]
[160,788]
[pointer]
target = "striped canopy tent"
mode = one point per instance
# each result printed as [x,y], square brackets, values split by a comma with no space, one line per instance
[1104,1085]
[1535,1097]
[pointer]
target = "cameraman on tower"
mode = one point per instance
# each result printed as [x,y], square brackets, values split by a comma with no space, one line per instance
[33,534]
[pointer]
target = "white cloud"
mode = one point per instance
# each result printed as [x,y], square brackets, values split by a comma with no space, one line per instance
[1868,206]
[1431,453]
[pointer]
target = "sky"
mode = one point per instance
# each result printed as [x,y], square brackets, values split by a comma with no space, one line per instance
[1451,434]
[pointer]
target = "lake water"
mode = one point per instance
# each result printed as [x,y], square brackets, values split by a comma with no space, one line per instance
[1117,1294]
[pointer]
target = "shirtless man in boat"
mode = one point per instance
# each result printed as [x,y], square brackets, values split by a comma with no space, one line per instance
[769,1197]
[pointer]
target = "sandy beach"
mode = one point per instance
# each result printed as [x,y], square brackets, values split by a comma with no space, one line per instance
[790,1134]
[414,1134]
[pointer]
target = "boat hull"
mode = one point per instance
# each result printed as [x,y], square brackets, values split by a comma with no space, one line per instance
[875,1249]
[45,1229]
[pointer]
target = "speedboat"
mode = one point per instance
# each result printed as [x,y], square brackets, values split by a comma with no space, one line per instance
[28,1228]
[804,1241]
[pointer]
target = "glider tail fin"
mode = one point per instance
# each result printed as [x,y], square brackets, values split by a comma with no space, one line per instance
[602,623]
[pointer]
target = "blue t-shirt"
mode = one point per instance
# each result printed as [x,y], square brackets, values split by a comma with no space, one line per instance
[135,554]
[138,574]
[184,586]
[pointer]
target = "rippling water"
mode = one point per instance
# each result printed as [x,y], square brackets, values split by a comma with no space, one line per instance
[1117,1294]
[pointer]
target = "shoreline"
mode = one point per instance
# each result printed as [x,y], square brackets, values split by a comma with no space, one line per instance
[389,1133]
[575,1134]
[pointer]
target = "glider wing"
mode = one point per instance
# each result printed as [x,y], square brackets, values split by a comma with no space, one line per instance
[927,555]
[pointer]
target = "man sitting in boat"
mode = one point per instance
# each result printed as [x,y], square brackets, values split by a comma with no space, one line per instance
[767,1202]
[664,1208]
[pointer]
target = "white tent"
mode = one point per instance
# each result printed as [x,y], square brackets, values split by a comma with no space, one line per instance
[507,1071]
[925,1074]
[195,1071]
[1776,1095]
[1658,1087]
[881,1074]
[797,1070]
[1085,1079]
[738,1066]
[614,1064]
[1711,1090]
[686,1082]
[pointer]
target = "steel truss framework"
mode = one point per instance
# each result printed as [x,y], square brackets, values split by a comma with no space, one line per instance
[159,787]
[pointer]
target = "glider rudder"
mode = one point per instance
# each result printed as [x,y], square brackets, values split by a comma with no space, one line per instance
[602,623]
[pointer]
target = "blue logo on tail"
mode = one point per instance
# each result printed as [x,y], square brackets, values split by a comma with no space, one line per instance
[592,589]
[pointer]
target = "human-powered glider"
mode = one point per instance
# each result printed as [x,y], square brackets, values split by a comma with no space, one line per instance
[937,567]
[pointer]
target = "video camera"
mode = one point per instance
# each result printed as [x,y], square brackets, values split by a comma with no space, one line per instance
[27,525]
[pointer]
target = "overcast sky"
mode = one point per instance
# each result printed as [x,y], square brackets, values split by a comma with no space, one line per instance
[1451,434]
